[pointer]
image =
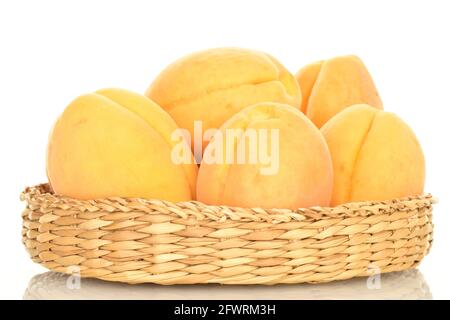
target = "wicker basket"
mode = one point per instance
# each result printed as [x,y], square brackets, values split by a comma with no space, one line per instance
[137,240]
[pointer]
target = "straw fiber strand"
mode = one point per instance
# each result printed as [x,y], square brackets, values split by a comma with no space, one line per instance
[137,240]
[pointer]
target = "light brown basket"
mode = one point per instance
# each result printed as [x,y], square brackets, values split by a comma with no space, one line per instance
[137,240]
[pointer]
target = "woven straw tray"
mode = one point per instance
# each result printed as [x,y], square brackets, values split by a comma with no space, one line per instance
[138,241]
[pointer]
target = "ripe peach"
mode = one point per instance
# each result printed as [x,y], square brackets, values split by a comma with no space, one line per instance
[376,156]
[330,86]
[302,169]
[212,85]
[117,143]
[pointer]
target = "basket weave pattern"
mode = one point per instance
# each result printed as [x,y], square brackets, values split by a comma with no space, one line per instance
[137,241]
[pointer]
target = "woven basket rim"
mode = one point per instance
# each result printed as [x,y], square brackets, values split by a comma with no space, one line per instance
[199,210]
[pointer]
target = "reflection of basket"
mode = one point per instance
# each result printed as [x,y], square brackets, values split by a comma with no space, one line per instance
[136,240]
[409,284]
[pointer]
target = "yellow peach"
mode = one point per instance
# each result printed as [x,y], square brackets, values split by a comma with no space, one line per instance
[117,143]
[375,155]
[300,166]
[330,86]
[212,85]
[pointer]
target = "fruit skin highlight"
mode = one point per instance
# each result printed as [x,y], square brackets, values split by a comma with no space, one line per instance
[376,156]
[116,143]
[332,85]
[304,177]
[214,84]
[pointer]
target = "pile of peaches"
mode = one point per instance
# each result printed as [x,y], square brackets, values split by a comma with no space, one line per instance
[334,145]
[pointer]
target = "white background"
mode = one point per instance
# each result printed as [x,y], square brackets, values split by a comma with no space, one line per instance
[53,51]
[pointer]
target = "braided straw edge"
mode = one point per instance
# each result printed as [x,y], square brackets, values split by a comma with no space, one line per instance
[136,240]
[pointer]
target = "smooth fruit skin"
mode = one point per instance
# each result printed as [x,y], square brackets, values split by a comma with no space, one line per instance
[212,85]
[376,156]
[116,143]
[305,172]
[306,78]
[332,85]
